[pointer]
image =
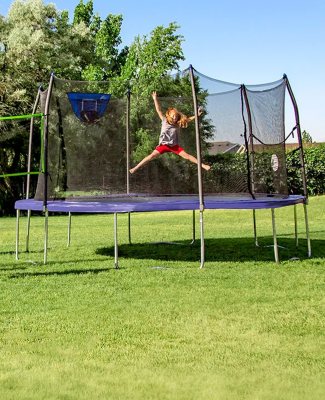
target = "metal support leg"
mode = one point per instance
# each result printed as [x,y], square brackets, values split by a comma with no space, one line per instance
[69,230]
[255,230]
[193,227]
[307,230]
[46,234]
[296,225]
[17,233]
[115,242]
[202,240]
[129,227]
[29,212]
[275,243]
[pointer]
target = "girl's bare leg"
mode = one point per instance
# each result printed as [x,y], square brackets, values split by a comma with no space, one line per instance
[147,159]
[193,159]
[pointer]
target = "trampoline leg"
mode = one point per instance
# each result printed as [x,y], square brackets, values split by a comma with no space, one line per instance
[202,240]
[29,212]
[129,227]
[275,243]
[69,230]
[255,230]
[115,242]
[296,225]
[46,234]
[17,233]
[307,231]
[193,227]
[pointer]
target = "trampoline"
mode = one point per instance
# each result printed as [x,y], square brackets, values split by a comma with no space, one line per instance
[86,161]
[126,204]
[131,204]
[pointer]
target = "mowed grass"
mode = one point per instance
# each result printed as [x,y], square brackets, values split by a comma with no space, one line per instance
[243,327]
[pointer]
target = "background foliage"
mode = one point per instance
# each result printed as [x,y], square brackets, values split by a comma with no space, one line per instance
[314,161]
[37,39]
[315,170]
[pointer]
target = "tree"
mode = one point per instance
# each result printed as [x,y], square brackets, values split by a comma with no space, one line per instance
[40,40]
[35,40]
[306,137]
[107,59]
[148,67]
[150,59]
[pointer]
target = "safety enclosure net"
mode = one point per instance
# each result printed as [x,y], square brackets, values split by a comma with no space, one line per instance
[249,137]
[94,138]
[86,140]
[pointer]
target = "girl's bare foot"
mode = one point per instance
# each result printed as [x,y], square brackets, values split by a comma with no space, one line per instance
[206,167]
[132,170]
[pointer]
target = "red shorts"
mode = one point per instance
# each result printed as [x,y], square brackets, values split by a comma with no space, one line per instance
[164,148]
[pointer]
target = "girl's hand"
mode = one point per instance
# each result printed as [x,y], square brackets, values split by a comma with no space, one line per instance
[157,105]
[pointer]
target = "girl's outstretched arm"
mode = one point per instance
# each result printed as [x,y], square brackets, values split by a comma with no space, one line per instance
[200,112]
[157,105]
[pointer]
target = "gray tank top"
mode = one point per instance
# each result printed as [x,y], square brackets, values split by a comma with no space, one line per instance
[169,133]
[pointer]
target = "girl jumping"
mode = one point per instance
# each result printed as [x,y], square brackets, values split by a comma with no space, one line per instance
[171,123]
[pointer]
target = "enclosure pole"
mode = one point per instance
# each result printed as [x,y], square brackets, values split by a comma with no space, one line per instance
[250,165]
[302,158]
[307,231]
[17,233]
[29,164]
[128,156]
[199,162]
[275,243]
[115,242]
[30,143]
[198,142]
[45,172]
[46,131]
[128,97]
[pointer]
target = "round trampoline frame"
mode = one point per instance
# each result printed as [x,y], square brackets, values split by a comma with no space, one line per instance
[128,204]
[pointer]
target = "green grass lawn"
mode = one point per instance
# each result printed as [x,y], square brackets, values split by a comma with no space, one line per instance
[243,327]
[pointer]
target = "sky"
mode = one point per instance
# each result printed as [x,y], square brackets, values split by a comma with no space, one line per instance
[239,41]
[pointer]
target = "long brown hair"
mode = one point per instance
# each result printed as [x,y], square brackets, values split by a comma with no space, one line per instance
[182,120]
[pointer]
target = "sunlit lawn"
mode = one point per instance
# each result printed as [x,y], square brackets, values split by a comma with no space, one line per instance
[243,327]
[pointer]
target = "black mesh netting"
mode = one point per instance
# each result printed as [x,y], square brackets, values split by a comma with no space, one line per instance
[249,119]
[88,148]
[86,143]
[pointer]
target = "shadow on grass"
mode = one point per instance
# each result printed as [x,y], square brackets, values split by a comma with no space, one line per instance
[5,253]
[14,267]
[57,273]
[238,249]
[230,249]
